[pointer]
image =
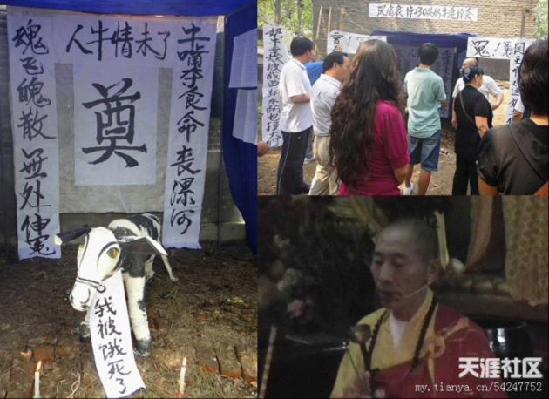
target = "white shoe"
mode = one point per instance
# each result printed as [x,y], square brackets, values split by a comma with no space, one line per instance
[409,190]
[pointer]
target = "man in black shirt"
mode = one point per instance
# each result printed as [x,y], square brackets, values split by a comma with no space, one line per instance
[473,120]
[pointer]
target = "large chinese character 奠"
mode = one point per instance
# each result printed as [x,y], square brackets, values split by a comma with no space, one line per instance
[115,122]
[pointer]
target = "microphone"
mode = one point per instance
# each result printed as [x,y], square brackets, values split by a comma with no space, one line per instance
[426,285]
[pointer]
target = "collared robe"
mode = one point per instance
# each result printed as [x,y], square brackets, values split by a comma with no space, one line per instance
[448,337]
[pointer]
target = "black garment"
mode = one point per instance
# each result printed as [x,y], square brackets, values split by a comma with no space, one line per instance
[466,172]
[290,167]
[467,137]
[469,104]
[515,158]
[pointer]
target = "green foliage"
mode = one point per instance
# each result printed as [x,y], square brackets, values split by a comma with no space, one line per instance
[541,20]
[289,14]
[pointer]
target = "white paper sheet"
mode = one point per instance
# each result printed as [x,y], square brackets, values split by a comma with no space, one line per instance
[115,125]
[244,60]
[112,340]
[348,42]
[245,116]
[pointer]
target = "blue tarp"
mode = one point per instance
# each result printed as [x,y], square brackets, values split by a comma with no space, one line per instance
[407,43]
[240,158]
[199,8]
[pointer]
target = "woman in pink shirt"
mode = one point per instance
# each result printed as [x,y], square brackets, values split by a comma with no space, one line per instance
[369,141]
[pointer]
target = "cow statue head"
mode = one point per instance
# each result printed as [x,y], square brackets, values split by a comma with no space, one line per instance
[100,254]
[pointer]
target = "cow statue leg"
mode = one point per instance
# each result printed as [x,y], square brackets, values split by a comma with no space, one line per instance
[135,289]
[84,327]
[168,267]
[149,272]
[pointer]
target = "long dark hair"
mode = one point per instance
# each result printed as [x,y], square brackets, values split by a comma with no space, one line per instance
[374,77]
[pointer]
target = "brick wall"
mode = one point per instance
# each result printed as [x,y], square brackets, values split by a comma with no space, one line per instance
[499,18]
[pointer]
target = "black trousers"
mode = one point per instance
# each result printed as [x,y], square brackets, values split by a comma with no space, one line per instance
[290,167]
[466,173]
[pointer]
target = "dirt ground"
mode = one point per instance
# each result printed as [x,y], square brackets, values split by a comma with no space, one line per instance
[441,181]
[209,316]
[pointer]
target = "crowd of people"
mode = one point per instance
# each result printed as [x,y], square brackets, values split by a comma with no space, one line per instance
[368,127]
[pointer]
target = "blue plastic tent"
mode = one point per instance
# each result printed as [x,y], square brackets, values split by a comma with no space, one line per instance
[403,40]
[241,15]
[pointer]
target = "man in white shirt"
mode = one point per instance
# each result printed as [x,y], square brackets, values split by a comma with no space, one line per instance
[296,118]
[489,86]
[325,91]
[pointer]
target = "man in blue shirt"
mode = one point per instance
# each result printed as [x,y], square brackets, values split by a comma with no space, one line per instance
[425,92]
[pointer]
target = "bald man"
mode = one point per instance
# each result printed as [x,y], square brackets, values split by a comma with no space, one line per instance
[413,341]
[488,88]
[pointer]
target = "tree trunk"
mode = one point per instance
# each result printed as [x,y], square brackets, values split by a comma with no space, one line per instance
[299,16]
[278,11]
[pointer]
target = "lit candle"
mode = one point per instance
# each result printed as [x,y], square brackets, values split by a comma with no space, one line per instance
[37,379]
[182,374]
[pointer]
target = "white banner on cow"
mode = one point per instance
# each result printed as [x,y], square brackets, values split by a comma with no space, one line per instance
[111,340]
[348,42]
[275,55]
[188,132]
[35,135]
[115,124]
[505,48]
[422,11]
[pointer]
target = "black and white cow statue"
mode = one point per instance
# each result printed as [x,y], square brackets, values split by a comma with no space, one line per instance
[127,244]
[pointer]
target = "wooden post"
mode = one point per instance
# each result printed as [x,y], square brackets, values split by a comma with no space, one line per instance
[329,21]
[278,11]
[318,24]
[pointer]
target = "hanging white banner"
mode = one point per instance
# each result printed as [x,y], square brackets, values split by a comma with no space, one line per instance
[115,119]
[348,42]
[422,11]
[275,55]
[244,61]
[504,48]
[188,132]
[35,135]
[111,340]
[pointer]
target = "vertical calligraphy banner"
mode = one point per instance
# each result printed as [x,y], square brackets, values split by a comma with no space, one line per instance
[188,132]
[35,134]
[519,47]
[275,55]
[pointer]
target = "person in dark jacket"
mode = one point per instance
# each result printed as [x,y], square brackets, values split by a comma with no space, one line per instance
[473,119]
[513,159]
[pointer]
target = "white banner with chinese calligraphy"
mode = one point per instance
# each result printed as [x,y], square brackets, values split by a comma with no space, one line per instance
[115,124]
[348,42]
[188,133]
[35,134]
[275,55]
[111,340]
[133,94]
[504,48]
[422,11]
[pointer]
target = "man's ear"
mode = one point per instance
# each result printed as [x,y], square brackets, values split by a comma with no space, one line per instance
[61,238]
[144,246]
